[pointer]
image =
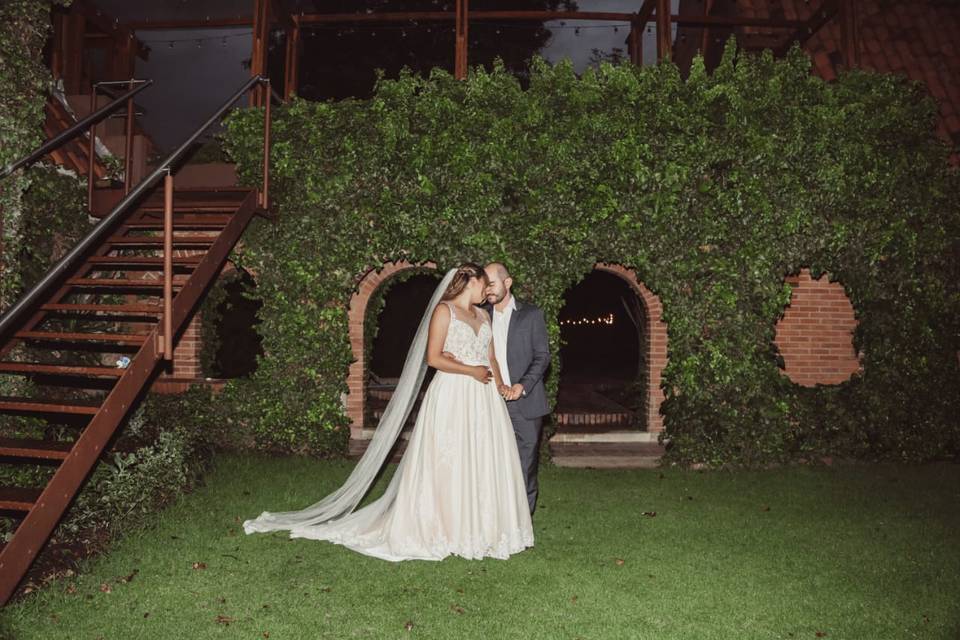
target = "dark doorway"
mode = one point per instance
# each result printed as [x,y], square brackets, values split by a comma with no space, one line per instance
[231,342]
[603,341]
[393,315]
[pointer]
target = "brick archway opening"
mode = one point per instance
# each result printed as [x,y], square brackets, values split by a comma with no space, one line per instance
[356,399]
[653,346]
[609,446]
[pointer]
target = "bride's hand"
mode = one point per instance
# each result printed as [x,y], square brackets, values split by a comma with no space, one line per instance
[481,374]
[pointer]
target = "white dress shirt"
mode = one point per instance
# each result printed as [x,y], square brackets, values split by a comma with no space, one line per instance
[501,325]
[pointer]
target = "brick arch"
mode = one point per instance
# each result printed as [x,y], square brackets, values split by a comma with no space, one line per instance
[656,341]
[368,284]
[355,400]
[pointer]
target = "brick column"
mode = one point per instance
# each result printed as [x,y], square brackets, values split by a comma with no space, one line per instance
[656,341]
[354,403]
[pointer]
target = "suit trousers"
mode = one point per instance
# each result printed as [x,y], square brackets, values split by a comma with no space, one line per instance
[528,433]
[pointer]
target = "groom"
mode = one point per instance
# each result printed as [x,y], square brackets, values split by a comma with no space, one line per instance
[523,353]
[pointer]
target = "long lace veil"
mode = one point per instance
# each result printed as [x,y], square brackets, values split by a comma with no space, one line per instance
[345,499]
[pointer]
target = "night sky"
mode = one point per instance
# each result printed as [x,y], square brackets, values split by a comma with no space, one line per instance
[205,66]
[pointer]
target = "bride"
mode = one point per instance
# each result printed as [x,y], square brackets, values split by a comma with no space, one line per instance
[459,489]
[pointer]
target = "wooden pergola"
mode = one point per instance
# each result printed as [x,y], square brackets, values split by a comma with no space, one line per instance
[270,12]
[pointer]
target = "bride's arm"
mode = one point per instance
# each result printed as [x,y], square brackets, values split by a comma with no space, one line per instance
[495,367]
[439,322]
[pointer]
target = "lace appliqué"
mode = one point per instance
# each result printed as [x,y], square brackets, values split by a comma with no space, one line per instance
[468,346]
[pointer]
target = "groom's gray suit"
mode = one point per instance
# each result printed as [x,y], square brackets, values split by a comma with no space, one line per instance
[528,355]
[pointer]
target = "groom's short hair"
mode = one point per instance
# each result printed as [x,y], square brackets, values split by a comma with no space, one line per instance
[500,268]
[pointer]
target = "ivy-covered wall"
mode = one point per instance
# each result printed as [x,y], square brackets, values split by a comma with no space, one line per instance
[713,189]
[24,28]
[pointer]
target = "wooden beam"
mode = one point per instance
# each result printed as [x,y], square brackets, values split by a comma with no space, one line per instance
[462,24]
[634,43]
[258,53]
[119,31]
[541,16]
[664,44]
[74,24]
[646,11]
[850,33]
[283,14]
[821,16]
[56,46]
[449,16]
[638,22]
[291,67]
[124,60]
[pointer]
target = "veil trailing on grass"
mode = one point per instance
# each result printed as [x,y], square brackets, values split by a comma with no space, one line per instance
[345,499]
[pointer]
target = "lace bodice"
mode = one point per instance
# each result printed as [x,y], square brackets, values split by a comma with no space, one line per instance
[469,346]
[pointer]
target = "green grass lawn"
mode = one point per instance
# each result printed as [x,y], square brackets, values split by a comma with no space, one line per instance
[863,552]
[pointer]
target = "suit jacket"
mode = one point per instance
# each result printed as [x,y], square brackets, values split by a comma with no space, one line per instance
[528,356]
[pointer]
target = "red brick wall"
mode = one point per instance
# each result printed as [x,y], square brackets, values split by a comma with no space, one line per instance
[815,334]
[186,351]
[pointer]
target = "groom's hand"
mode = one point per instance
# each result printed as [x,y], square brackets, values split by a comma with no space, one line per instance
[515,392]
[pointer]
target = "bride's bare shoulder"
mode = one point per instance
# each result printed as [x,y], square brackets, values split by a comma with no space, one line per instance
[442,312]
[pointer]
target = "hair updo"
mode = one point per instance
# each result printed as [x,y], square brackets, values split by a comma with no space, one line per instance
[461,279]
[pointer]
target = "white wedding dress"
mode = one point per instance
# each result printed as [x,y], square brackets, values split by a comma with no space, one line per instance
[459,489]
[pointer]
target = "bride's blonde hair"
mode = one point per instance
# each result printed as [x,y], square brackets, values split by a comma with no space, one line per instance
[461,279]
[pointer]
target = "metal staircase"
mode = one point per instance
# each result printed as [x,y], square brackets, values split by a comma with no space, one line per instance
[122,295]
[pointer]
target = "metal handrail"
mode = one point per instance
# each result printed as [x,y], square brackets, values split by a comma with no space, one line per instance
[65,136]
[96,235]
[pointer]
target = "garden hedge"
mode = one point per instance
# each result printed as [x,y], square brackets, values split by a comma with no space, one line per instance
[713,188]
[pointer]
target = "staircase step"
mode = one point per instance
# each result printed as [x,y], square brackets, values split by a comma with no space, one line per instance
[34,449]
[191,208]
[59,370]
[114,283]
[181,219]
[129,261]
[607,462]
[178,225]
[18,498]
[33,405]
[157,241]
[117,338]
[105,308]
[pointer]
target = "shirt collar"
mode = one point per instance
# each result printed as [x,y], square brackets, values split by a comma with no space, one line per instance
[511,306]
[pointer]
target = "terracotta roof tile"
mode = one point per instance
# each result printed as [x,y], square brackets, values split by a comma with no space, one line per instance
[916,39]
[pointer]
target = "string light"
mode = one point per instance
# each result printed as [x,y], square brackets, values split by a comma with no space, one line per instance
[601,321]
[199,41]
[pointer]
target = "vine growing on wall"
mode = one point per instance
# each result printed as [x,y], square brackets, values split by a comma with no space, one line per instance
[24,28]
[712,189]
[41,207]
